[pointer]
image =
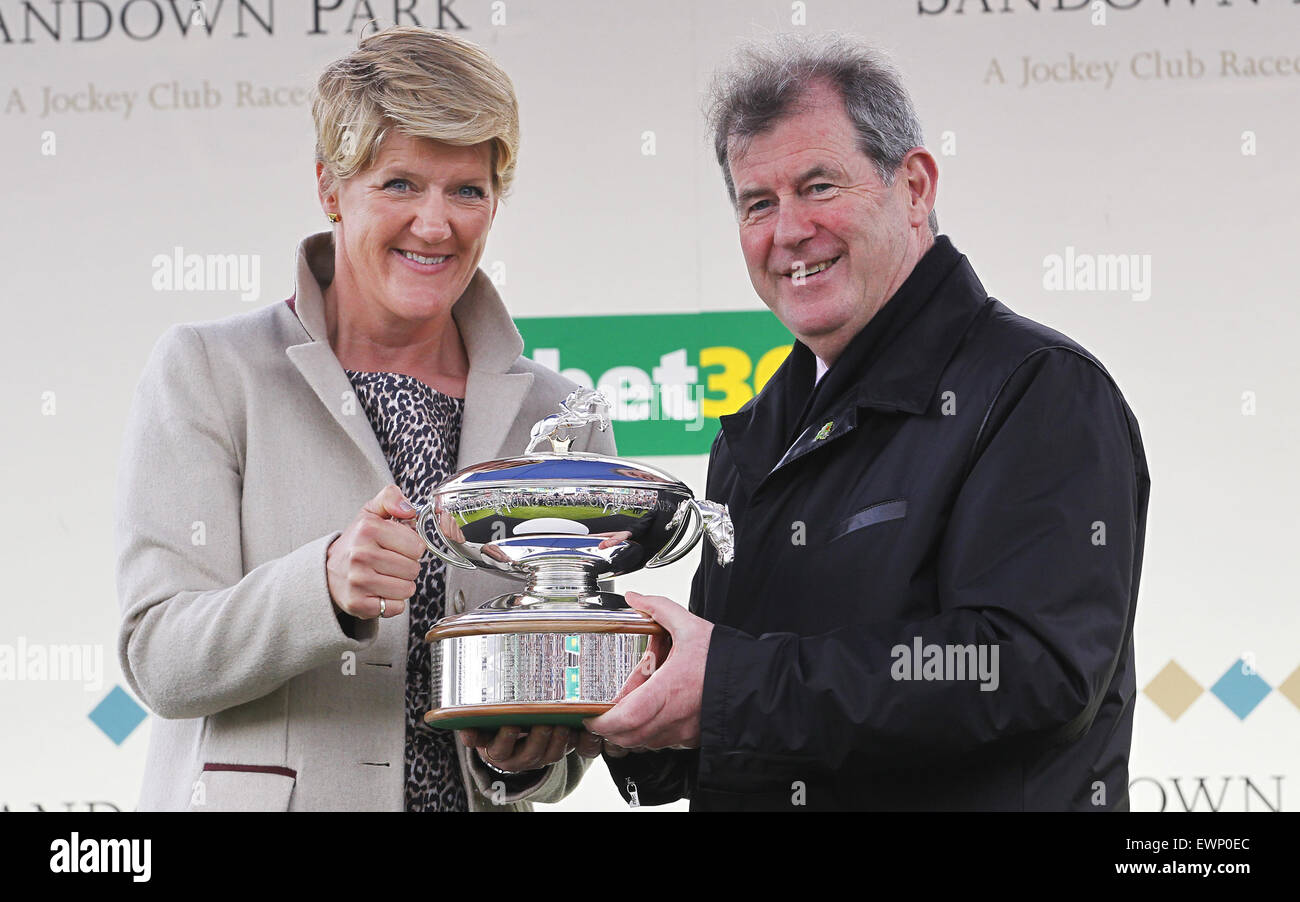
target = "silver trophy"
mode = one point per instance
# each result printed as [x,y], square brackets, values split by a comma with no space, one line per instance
[559,650]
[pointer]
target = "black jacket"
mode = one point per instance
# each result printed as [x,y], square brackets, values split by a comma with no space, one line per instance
[964,478]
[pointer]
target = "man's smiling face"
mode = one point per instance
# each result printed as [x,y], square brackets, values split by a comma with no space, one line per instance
[826,241]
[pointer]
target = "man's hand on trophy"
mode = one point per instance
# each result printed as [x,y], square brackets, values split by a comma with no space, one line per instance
[660,647]
[660,708]
[511,750]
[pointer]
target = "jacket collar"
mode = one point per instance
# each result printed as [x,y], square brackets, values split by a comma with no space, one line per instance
[894,371]
[493,394]
[909,368]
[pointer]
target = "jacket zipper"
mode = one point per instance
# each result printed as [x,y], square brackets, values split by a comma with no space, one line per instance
[633,800]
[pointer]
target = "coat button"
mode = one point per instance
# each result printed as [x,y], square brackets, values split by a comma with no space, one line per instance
[459,604]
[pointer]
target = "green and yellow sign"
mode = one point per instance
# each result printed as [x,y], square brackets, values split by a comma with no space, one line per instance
[668,377]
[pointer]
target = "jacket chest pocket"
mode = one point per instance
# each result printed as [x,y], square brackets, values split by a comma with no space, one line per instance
[872,515]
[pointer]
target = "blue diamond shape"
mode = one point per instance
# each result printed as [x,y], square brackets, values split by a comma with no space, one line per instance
[117,715]
[1240,690]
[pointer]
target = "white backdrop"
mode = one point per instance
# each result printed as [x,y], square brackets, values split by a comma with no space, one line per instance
[1192,171]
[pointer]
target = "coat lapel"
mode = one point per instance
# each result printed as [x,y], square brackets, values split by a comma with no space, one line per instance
[494,396]
[757,434]
[492,403]
[321,369]
[315,358]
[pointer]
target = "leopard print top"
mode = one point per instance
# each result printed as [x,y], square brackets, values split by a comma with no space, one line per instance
[419,431]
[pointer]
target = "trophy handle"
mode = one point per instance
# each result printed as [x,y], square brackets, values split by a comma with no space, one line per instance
[720,530]
[454,558]
[692,524]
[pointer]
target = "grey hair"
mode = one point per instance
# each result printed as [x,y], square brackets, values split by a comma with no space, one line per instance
[767,79]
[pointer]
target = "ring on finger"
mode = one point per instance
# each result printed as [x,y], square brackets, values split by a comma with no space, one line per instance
[383,606]
[487,759]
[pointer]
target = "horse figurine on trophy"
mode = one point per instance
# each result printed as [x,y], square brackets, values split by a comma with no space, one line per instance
[582,407]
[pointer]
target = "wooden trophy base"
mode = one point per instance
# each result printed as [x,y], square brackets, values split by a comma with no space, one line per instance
[493,717]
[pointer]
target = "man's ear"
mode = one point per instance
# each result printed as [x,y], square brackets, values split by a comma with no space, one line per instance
[919,174]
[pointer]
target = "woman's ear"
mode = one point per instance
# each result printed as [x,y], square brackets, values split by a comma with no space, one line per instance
[324,188]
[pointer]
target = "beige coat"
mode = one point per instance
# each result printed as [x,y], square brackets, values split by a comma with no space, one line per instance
[245,455]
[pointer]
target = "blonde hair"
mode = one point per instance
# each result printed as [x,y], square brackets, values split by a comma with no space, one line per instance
[423,83]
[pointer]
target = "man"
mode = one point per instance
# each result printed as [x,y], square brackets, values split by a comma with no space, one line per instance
[939,505]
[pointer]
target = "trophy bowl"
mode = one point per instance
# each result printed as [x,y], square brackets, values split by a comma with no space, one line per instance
[559,650]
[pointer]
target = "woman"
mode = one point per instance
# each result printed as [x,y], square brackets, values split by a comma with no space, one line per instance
[274,596]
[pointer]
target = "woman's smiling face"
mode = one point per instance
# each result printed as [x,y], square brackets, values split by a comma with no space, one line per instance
[414,226]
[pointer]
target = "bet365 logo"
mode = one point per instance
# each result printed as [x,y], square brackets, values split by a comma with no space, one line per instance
[668,377]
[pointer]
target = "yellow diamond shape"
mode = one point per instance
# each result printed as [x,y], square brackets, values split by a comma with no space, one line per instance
[1291,687]
[1173,690]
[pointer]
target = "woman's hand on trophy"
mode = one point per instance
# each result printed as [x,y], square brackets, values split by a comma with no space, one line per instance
[376,559]
[513,751]
[588,744]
